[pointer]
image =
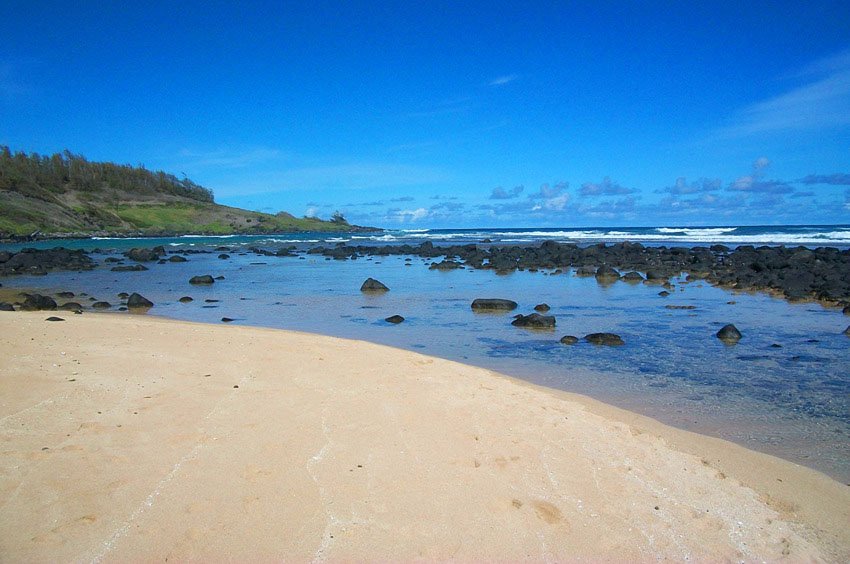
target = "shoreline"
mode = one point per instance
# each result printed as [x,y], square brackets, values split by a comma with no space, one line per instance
[810,508]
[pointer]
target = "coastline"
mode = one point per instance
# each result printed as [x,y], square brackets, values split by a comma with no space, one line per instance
[330,448]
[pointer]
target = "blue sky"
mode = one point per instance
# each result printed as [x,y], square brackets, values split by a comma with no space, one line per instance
[452,114]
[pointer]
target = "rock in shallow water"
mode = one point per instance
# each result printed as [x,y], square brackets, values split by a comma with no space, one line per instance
[394,319]
[606,339]
[569,340]
[137,301]
[493,304]
[542,308]
[534,321]
[729,334]
[204,279]
[372,285]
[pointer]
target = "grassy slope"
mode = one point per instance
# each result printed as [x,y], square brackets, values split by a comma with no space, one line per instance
[22,215]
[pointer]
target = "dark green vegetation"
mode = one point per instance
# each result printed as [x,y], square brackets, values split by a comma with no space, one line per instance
[65,194]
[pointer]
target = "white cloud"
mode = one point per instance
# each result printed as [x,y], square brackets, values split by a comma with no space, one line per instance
[407,216]
[822,103]
[503,80]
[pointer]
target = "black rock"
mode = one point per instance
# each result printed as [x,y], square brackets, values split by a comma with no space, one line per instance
[37,302]
[680,307]
[71,306]
[606,339]
[663,293]
[205,279]
[65,294]
[226,319]
[372,285]
[137,301]
[394,319]
[632,276]
[177,258]
[729,334]
[145,255]
[606,274]
[542,308]
[123,295]
[846,310]
[569,340]
[219,277]
[534,321]
[6,306]
[224,256]
[131,268]
[445,265]
[101,305]
[54,318]
[493,304]
[185,299]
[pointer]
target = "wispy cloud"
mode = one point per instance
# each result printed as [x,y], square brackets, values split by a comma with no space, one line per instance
[682,187]
[500,193]
[229,158]
[605,188]
[823,102]
[502,80]
[838,179]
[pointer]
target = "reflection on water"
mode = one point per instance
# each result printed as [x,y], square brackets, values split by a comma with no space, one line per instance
[783,389]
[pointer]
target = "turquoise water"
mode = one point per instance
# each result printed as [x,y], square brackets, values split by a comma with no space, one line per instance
[792,400]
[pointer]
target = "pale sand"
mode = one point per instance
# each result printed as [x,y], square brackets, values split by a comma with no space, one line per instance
[126,438]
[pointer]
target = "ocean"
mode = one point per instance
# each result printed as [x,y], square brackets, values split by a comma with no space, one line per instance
[783,389]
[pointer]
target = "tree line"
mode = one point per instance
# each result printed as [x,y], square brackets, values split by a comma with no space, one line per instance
[44,177]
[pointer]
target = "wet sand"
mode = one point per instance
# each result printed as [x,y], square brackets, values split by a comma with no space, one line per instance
[136,438]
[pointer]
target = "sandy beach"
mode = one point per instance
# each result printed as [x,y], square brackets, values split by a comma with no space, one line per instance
[134,438]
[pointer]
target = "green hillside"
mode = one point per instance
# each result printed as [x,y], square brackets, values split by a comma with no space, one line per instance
[65,194]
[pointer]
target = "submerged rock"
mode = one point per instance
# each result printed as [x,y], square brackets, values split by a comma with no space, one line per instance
[394,319]
[372,285]
[186,299]
[205,279]
[606,339]
[729,334]
[569,340]
[177,258]
[606,275]
[542,308]
[132,268]
[534,321]
[493,304]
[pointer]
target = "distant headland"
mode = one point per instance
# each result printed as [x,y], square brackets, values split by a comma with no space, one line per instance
[66,195]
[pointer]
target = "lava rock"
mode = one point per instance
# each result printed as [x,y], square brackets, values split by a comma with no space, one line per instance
[71,306]
[605,339]
[54,318]
[493,304]
[65,294]
[137,301]
[205,279]
[131,268]
[372,285]
[224,256]
[632,277]
[729,334]
[186,299]
[606,275]
[394,319]
[568,340]
[542,308]
[226,319]
[663,293]
[534,321]
[101,305]
[6,306]
[37,302]
[145,255]
[177,258]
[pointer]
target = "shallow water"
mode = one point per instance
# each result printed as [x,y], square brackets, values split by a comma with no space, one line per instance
[792,400]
